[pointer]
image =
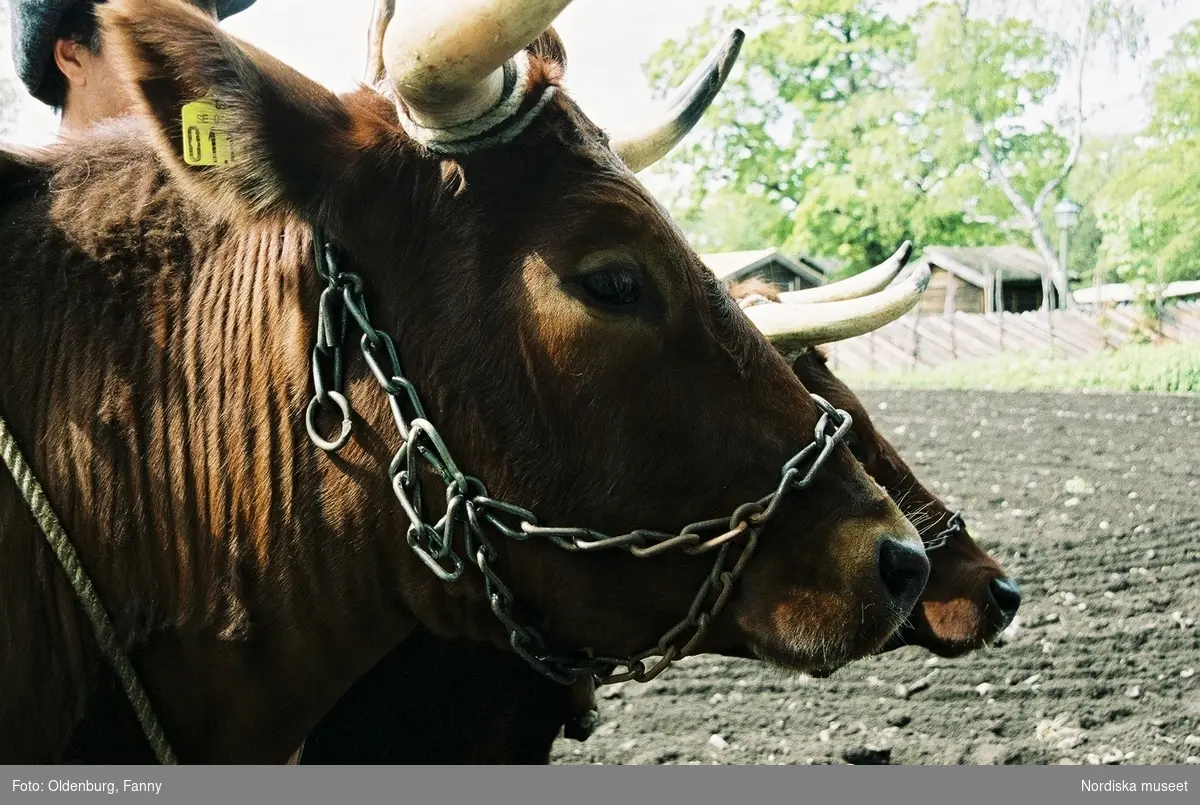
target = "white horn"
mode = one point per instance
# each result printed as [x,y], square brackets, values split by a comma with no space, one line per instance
[868,282]
[445,58]
[794,327]
[381,15]
[655,139]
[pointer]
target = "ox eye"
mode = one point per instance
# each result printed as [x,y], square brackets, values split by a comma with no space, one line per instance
[613,285]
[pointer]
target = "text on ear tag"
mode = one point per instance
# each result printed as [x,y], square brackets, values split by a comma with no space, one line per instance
[205,137]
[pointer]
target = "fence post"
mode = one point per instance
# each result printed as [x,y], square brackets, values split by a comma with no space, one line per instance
[1158,299]
[916,340]
[953,339]
[1050,327]
[1101,308]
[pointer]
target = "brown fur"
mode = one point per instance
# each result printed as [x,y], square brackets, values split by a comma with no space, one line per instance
[755,285]
[483,705]
[156,340]
[375,722]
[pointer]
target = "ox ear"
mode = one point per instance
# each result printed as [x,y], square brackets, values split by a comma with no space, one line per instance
[287,136]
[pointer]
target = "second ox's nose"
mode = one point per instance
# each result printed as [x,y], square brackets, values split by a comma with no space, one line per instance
[904,569]
[1007,596]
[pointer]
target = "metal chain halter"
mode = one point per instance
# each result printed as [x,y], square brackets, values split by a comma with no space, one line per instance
[954,527]
[470,512]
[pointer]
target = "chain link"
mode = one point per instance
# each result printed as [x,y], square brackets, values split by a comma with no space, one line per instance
[470,512]
[327,367]
[954,527]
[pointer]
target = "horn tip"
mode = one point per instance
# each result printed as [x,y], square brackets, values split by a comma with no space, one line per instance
[733,43]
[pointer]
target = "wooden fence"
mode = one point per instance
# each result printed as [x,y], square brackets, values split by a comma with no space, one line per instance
[924,340]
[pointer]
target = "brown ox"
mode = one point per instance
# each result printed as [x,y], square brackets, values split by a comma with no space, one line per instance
[158,329]
[480,706]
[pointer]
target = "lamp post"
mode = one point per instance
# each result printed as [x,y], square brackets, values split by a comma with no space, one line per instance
[1066,217]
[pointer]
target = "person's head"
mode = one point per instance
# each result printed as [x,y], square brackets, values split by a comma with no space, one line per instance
[80,83]
[61,58]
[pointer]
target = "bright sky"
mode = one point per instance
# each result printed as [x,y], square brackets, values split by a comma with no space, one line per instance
[607,43]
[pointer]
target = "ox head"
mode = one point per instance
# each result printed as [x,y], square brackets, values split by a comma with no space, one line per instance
[968,599]
[575,352]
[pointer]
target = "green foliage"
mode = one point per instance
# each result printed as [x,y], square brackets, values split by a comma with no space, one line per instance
[1177,88]
[820,120]
[1149,368]
[1103,158]
[989,71]
[730,222]
[846,128]
[1149,209]
[853,123]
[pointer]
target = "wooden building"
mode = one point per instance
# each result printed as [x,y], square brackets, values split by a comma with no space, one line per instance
[982,279]
[1119,293]
[766,264]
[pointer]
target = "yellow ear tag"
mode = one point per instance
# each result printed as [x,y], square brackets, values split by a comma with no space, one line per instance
[205,138]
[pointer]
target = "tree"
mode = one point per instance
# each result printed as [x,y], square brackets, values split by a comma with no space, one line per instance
[864,128]
[1149,222]
[1176,92]
[819,122]
[734,221]
[992,70]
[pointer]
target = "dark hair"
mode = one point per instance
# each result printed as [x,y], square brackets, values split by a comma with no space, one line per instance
[79,25]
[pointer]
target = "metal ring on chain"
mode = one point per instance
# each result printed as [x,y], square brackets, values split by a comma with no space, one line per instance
[347,424]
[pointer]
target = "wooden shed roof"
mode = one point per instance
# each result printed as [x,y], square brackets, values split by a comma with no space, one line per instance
[975,264]
[734,266]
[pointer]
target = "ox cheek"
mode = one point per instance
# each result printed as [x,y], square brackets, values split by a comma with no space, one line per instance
[836,588]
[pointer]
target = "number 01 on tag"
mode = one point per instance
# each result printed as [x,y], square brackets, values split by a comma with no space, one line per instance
[205,140]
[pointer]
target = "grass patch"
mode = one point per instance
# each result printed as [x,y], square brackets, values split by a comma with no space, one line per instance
[1161,368]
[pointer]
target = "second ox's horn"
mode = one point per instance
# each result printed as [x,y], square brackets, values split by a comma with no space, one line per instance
[867,282]
[461,63]
[652,141]
[792,327]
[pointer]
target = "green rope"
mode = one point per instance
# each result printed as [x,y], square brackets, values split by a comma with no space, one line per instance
[106,635]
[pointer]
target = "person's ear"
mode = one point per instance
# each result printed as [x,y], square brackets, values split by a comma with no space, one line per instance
[71,58]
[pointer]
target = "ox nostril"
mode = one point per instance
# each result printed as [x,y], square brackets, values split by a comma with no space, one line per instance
[1007,596]
[904,569]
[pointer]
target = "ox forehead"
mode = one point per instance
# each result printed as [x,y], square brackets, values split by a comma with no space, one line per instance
[166,366]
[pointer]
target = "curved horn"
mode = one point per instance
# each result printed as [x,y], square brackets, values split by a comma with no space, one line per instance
[381,15]
[445,58]
[793,327]
[868,282]
[692,99]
